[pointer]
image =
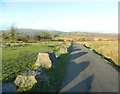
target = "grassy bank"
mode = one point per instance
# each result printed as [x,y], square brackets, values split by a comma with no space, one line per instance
[107,48]
[55,77]
[17,60]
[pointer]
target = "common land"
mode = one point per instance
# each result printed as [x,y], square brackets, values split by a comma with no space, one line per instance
[20,55]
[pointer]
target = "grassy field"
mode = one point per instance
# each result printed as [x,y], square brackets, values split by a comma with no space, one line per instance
[107,48]
[17,60]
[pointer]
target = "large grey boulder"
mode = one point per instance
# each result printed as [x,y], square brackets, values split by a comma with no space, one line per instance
[9,88]
[63,50]
[46,59]
[31,77]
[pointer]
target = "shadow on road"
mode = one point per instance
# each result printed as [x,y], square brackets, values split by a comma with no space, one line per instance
[74,70]
[83,86]
[71,81]
[75,50]
[77,55]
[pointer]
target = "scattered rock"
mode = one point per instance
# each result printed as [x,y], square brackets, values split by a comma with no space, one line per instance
[46,59]
[9,88]
[31,77]
[63,50]
[68,45]
[57,55]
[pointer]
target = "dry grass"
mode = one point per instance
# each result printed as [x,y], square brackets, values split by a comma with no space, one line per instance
[107,48]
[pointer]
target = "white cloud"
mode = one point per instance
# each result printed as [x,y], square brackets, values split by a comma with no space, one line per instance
[108,24]
[103,24]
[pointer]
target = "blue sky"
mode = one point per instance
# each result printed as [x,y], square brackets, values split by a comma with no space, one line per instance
[63,16]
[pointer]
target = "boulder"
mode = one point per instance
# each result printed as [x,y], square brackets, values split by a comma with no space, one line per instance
[46,59]
[9,88]
[31,77]
[68,45]
[63,50]
[57,55]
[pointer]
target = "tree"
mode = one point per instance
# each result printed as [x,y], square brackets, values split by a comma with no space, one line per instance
[83,39]
[32,37]
[37,37]
[56,35]
[12,32]
[42,35]
[23,38]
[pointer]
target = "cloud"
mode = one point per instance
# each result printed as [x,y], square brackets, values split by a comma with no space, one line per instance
[101,24]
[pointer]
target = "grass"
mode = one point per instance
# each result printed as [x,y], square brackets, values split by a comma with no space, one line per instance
[17,60]
[55,77]
[107,48]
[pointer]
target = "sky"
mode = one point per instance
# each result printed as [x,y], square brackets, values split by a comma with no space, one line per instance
[88,16]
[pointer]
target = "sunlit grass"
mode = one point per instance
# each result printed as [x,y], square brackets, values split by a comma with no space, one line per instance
[17,60]
[107,48]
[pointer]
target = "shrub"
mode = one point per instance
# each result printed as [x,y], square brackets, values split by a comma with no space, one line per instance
[5,36]
[23,38]
[99,39]
[83,39]
[42,35]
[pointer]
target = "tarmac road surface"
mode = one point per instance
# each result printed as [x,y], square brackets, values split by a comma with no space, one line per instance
[87,72]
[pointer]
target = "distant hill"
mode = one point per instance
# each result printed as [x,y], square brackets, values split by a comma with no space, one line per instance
[31,31]
[60,33]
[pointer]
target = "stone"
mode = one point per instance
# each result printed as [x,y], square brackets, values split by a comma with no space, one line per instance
[57,55]
[63,50]
[31,77]
[46,60]
[9,88]
[68,45]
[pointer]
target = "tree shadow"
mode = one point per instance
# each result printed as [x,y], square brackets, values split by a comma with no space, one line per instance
[74,47]
[75,50]
[77,55]
[74,70]
[83,86]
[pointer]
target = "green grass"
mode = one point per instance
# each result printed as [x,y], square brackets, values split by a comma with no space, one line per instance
[55,77]
[17,60]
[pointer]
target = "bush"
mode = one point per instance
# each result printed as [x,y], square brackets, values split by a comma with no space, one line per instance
[7,45]
[23,38]
[5,36]
[83,39]
[32,41]
[99,39]
[42,35]
[60,40]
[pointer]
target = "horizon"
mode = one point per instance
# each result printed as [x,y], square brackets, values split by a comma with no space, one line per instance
[100,17]
[63,31]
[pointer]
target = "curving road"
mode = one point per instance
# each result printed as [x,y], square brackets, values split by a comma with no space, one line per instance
[86,72]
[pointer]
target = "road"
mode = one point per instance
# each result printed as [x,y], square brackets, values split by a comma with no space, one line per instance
[87,72]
